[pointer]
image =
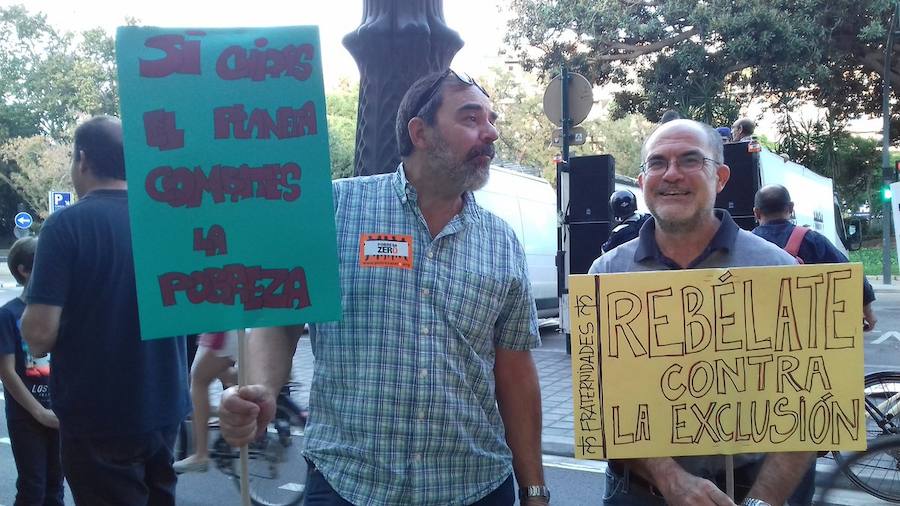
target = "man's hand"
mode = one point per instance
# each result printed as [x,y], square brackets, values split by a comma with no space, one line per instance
[689,490]
[869,318]
[47,418]
[245,412]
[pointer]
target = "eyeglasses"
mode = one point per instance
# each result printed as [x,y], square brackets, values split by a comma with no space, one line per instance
[685,163]
[463,78]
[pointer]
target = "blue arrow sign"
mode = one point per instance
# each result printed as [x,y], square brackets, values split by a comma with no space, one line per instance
[23,220]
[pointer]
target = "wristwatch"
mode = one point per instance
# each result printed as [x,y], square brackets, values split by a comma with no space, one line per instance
[533,491]
[751,501]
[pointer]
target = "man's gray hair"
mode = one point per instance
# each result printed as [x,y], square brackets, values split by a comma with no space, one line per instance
[713,139]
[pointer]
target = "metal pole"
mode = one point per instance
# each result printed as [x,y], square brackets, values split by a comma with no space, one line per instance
[562,175]
[566,120]
[886,175]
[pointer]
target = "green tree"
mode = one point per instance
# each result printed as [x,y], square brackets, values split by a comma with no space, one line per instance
[622,138]
[525,132]
[48,81]
[341,105]
[40,167]
[707,58]
[853,163]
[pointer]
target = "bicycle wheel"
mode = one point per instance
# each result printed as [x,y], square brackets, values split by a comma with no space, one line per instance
[877,474]
[276,468]
[877,470]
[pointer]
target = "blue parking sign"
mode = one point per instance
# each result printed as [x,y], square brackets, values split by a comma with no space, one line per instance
[59,200]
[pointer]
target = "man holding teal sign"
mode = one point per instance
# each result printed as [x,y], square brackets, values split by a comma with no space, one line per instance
[225,136]
[426,392]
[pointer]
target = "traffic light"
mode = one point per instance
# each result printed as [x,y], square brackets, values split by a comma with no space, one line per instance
[886,193]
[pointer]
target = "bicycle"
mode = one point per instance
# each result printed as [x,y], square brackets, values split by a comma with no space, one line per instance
[276,468]
[876,470]
[883,454]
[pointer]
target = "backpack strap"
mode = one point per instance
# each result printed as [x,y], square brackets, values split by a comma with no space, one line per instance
[794,241]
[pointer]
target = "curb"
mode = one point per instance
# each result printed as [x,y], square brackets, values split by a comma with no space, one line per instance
[881,288]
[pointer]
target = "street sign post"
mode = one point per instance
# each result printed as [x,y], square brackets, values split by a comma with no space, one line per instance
[23,220]
[58,200]
[577,136]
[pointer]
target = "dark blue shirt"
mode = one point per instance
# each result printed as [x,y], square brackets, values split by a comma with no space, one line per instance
[106,381]
[815,248]
[34,372]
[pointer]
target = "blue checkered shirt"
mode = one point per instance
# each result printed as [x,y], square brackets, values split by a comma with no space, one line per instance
[402,405]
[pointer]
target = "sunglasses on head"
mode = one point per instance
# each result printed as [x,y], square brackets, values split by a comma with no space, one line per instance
[463,78]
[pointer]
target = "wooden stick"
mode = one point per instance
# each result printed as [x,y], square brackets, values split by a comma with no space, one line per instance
[245,453]
[729,476]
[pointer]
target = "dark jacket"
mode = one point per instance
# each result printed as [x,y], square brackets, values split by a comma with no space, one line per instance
[815,248]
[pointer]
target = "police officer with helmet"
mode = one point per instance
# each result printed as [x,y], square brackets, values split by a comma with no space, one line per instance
[623,206]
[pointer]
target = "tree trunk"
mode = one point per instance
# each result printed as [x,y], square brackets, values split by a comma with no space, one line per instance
[397,42]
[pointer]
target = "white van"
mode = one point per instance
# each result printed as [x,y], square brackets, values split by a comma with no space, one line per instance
[815,205]
[528,204]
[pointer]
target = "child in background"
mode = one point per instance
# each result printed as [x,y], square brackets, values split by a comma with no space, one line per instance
[216,354]
[33,427]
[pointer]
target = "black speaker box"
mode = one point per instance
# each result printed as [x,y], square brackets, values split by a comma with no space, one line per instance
[591,182]
[742,185]
[585,240]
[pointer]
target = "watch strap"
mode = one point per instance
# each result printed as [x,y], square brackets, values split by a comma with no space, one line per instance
[534,491]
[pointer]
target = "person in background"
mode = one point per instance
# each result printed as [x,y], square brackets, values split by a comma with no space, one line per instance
[725,133]
[623,206]
[32,425]
[119,398]
[668,116]
[742,130]
[773,209]
[215,358]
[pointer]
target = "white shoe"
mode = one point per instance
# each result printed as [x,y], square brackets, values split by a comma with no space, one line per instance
[191,465]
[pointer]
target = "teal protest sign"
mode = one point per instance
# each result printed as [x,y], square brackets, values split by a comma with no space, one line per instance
[229,187]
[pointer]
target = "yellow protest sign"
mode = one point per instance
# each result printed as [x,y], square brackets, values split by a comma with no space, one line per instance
[717,361]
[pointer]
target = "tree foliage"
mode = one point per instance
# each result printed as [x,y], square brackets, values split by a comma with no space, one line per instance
[39,167]
[853,163]
[341,106]
[712,57]
[49,80]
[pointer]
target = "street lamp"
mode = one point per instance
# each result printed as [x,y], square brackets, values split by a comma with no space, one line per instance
[886,171]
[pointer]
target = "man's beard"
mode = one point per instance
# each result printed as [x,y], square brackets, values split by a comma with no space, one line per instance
[469,175]
[681,226]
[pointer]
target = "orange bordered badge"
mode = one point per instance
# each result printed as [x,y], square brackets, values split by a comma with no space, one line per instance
[385,250]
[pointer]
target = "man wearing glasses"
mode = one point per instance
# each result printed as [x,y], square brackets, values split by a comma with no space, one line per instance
[426,392]
[683,171]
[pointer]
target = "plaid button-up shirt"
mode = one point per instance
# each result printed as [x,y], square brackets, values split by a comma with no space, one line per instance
[402,405]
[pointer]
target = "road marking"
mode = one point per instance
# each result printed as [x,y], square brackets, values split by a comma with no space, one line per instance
[847,498]
[2,399]
[587,466]
[4,440]
[887,335]
[293,487]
